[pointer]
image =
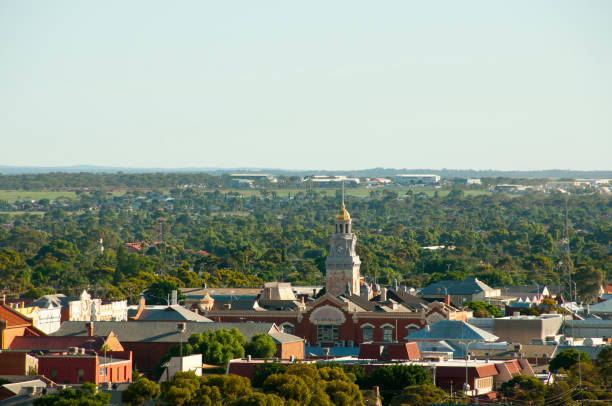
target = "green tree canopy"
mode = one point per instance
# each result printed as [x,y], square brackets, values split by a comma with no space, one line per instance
[261,346]
[567,358]
[87,394]
[140,390]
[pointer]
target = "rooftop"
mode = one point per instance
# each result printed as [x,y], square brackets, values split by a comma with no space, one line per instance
[159,331]
[452,330]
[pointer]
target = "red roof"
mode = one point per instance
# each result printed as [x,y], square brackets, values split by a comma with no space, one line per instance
[486,370]
[13,317]
[389,351]
[513,366]
[56,343]
[404,351]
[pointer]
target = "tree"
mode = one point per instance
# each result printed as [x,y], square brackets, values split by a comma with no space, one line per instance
[482,309]
[288,386]
[567,358]
[186,388]
[231,387]
[261,346]
[590,279]
[525,389]
[158,291]
[604,363]
[140,390]
[392,379]
[88,395]
[419,395]
[259,399]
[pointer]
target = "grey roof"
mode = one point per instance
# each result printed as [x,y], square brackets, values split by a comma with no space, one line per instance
[434,346]
[602,307]
[284,338]
[468,286]
[158,331]
[451,330]
[529,290]
[170,313]
[51,301]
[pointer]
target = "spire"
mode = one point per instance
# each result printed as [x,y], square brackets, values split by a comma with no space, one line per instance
[343,214]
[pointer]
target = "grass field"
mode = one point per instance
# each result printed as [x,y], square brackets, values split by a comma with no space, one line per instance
[20,195]
[19,213]
[14,195]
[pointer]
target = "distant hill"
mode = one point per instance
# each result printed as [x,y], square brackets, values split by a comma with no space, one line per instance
[374,172]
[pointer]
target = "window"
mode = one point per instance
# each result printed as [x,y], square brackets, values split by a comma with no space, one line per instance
[54,374]
[80,375]
[102,371]
[327,334]
[125,372]
[368,334]
[412,328]
[387,334]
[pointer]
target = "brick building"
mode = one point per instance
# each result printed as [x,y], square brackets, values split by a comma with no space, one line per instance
[349,313]
[86,366]
[14,324]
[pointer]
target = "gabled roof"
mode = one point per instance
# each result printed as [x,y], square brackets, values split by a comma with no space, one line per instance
[284,338]
[601,307]
[159,331]
[51,301]
[451,330]
[468,286]
[56,343]
[170,313]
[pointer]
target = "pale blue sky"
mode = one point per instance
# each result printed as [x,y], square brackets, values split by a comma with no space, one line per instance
[307,85]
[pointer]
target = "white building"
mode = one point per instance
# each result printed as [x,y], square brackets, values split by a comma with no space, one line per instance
[182,364]
[46,317]
[413,179]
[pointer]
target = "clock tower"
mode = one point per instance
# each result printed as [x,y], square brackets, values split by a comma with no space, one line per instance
[342,264]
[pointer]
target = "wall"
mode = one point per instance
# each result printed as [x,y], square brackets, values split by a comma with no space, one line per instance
[285,351]
[16,363]
[524,329]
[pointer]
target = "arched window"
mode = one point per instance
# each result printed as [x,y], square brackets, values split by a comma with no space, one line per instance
[412,328]
[367,330]
[387,333]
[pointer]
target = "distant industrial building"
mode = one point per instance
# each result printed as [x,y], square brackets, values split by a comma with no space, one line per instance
[332,180]
[411,179]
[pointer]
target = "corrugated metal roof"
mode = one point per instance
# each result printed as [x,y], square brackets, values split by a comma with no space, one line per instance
[159,331]
[468,286]
[452,330]
[170,313]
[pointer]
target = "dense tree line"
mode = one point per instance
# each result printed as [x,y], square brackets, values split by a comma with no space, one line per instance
[500,239]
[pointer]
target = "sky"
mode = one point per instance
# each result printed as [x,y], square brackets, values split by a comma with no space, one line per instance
[513,85]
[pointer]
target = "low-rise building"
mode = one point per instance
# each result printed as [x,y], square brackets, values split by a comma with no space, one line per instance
[459,291]
[417,179]
[86,366]
[151,340]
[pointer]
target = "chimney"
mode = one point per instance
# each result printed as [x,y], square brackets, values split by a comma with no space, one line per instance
[447,300]
[90,328]
[174,298]
[3,299]
[383,295]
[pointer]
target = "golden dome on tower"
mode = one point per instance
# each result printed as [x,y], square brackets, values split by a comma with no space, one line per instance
[343,214]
